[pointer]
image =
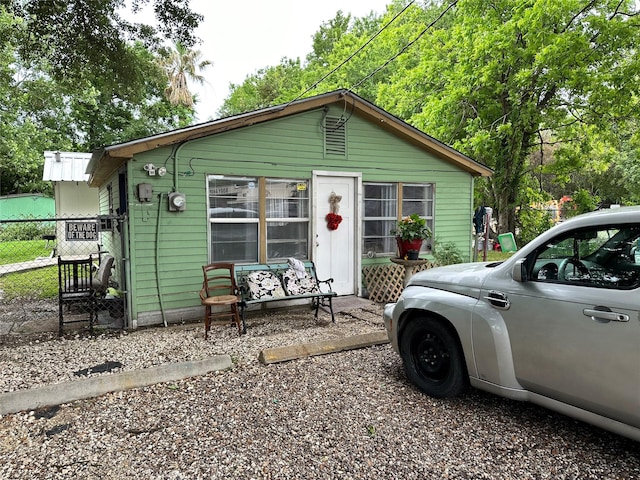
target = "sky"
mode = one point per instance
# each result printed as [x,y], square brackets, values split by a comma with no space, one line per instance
[241,37]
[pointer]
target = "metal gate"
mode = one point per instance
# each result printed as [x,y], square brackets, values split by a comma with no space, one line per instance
[29,250]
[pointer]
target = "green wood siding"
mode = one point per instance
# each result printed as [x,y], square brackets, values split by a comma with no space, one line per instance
[176,243]
[110,240]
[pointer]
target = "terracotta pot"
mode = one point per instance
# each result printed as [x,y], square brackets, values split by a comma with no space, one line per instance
[405,245]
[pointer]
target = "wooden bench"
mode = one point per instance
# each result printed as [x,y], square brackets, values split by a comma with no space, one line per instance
[274,282]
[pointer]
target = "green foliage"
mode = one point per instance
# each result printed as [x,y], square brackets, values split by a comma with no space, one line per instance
[83,39]
[446,253]
[412,227]
[22,231]
[335,41]
[41,109]
[531,223]
[266,87]
[581,202]
[495,75]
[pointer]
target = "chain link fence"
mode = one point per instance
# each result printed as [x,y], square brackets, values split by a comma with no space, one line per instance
[29,250]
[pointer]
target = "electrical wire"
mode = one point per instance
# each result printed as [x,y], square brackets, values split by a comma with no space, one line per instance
[368,168]
[342,121]
[406,47]
[384,27]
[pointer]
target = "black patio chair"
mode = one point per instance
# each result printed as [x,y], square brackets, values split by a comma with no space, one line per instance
[76,293]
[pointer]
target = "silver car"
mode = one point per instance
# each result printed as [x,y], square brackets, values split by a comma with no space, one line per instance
[558,324]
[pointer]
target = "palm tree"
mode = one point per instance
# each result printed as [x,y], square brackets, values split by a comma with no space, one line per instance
[182,64]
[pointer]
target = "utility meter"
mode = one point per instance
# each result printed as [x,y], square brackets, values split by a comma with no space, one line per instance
[177,202]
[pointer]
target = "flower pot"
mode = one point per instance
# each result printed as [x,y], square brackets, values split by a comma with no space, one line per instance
[413,255]
[405,245]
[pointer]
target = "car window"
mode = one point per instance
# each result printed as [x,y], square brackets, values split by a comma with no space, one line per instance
[602,257]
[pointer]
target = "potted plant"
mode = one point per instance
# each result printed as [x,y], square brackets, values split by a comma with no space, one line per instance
[410,232]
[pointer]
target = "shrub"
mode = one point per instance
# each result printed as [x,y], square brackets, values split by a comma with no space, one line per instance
[532,223]
[23,231]
[447,253]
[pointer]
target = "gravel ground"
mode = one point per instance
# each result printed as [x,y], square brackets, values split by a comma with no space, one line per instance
[349,415]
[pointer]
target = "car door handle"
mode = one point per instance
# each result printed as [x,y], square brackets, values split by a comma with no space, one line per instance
[498,300]
[604,315]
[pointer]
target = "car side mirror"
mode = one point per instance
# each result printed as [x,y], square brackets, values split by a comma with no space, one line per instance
[519,272]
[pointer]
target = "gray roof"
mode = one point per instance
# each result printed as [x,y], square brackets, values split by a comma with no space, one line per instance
[66,166]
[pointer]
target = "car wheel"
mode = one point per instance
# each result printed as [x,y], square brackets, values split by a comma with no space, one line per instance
[433,359]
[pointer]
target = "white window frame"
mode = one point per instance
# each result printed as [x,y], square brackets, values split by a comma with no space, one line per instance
[428,213]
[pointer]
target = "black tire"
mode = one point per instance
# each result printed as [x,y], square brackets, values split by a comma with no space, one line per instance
[433,359]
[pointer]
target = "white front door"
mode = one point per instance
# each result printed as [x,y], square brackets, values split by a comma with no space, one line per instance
[336,252]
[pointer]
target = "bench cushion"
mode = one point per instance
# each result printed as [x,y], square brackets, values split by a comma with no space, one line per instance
[264,284]
[295,285]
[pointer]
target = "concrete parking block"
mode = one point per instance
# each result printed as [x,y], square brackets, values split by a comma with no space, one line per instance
[57,394]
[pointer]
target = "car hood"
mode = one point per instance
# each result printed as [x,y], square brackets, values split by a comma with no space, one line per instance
[465,278]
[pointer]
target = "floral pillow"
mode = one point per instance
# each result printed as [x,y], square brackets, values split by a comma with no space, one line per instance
[264,285]
[295,285]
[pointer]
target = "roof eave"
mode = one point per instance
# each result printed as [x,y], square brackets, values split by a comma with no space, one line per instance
[106,160]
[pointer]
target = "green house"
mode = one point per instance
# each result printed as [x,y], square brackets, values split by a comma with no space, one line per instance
[257,188]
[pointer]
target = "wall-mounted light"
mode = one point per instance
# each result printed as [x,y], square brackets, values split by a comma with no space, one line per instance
[150,168]
[57,156]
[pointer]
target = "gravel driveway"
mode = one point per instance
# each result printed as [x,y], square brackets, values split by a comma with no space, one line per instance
[349,415]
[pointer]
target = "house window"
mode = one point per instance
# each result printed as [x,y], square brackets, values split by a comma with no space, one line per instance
[381,206]
[234,218]
[380,217]
[418,198]
[240,208]
[287,218]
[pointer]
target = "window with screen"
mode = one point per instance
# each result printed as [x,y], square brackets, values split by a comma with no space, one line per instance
[240,208]
[287,218]
[382,203]
[380,217]
[234,218]
[418,198]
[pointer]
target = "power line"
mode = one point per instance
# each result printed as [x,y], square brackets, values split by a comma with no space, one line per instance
[406,47]
[354,53]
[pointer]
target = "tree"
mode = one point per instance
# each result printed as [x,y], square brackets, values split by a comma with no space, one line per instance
[496,74]
[334,42]
[102,116]
[89,38]
[40,112]
[22,133]
[267,87]
[181,66]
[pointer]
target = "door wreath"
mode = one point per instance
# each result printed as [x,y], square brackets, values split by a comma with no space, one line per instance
[332,218]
